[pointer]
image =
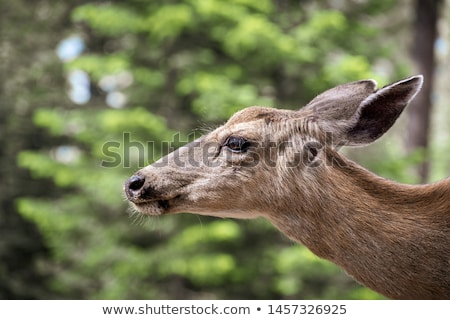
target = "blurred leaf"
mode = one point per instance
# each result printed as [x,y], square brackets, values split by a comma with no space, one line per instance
[99,66]
[109,19]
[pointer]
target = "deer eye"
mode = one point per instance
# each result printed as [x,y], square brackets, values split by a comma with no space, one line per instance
[237,144]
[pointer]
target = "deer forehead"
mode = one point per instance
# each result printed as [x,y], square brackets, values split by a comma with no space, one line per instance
[255,113]
[256,123]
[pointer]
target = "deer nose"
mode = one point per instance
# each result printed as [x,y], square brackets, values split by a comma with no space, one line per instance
[133,186]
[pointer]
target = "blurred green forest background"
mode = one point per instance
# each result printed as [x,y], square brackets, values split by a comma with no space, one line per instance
[77,75]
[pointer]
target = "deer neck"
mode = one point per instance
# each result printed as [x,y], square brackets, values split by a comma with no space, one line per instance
[367,224]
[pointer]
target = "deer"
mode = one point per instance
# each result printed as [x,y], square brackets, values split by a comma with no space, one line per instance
[285,166]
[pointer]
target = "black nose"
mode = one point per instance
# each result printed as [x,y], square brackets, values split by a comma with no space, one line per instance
[134,185]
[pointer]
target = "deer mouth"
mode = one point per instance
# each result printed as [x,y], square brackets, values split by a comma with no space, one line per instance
[156,207]
[146,198]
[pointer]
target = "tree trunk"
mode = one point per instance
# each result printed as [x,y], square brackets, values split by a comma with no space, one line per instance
[425,33]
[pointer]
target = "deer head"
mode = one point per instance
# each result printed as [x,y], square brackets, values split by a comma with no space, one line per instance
[245,168]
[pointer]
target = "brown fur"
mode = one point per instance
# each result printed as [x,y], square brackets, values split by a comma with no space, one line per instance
[391,237]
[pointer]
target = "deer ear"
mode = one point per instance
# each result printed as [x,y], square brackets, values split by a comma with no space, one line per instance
[335,108]
[378,112]
[358,113]
[342,101]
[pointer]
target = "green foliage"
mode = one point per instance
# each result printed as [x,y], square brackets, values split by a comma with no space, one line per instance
[190,61]
[398,167]
[109,20]
[215,101]
[98,66]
